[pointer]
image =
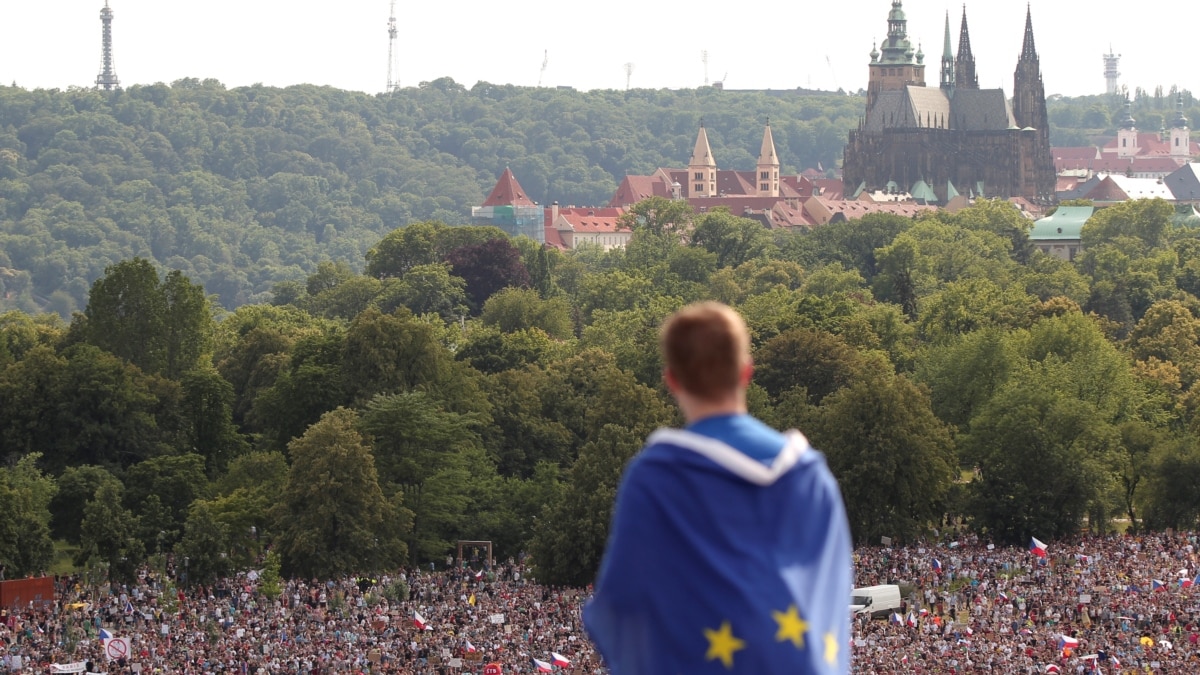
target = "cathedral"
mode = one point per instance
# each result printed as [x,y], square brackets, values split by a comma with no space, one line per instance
[955,139]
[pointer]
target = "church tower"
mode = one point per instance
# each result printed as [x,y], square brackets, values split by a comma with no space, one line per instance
[1127,135]
[964,67]
[1181,137]
[896,65]
[1029,109]
[702,168]
[768,166]
[947,79]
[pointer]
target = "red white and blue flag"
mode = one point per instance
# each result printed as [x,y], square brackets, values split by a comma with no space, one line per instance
[1157,585]
[542,666]
[559,660]
[1067,642]
[1036,547]
[937,565]
[470,647]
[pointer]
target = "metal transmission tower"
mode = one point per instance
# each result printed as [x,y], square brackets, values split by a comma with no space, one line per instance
[392,84]
[704,60]
[628,74]
[1111,74]
[107,79]
[545,64]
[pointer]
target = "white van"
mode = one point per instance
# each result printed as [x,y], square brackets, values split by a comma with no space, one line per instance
[878,601]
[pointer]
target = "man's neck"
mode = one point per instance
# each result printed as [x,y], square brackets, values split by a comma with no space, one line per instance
[695,410]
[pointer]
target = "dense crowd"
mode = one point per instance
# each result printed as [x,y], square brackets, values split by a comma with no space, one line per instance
[1119,604]
[469,618]
[1095,604]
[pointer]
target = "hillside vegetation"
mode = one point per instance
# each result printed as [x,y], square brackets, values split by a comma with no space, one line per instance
[469,386]
[241,189]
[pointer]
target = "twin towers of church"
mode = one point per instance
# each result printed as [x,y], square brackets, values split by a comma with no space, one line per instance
[702,168]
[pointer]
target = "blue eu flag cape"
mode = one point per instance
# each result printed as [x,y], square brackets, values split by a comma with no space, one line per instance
[718,563]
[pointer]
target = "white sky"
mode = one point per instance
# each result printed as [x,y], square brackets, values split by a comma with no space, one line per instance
[791,43]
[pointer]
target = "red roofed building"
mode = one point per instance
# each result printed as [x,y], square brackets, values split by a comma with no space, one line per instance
[588,225]
[510,209]
[763,194]
[1176,144]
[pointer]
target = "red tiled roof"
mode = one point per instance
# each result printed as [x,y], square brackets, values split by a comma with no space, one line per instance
[1067,183]
[593,220]
[1107,190]
[1150,143]
[851,210]
[554,239]
[1075,154]
[508,192]
[830,188]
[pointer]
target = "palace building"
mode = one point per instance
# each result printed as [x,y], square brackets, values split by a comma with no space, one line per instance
[953,139]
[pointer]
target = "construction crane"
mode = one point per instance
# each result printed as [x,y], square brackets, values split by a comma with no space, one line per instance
[545,64]
[628,75]
[704,60]
[392,84]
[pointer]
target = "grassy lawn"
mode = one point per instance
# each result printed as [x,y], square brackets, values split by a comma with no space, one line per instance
[64,555]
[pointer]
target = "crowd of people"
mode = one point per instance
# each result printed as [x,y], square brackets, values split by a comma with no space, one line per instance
[1116,604]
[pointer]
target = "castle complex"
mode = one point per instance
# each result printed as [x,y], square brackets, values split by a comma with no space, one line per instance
[938,143]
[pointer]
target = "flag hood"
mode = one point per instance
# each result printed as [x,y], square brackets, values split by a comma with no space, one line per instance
[730,459]
[711,549]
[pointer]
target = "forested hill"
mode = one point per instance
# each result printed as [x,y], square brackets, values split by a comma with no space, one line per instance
[243,188]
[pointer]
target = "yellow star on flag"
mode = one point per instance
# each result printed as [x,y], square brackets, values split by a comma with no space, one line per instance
[722,644]
[791,626]
[831,649]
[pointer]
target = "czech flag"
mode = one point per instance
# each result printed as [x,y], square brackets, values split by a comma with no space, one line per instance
[420,622]
[1002,596]
[559,660]
[105,635]
[1156,585]
[479,574]
[912,620]
[470,647]
[1067,642]
[937,565]
[1037,548]
[1185,583]
[542,666]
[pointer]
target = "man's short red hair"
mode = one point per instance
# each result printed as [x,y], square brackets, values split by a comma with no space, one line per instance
[705,348]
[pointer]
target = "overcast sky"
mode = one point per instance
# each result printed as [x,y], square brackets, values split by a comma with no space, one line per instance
[343,43]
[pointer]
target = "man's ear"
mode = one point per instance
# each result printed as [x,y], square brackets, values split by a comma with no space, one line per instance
[747,373]
[669,379]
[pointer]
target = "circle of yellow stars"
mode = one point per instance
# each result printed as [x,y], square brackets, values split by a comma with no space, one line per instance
[723,644]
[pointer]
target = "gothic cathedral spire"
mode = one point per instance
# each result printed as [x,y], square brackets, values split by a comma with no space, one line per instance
[964,67]
[947,60]
[1029,110]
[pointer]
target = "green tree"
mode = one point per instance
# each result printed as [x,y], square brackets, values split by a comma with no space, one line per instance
[820,362]
[732,239]
[76,487]
[205,544]
[514,309]
[333,518]
[25,495]
[126,314]
[420,450]
[569,541]
[108,534]
[894,460]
